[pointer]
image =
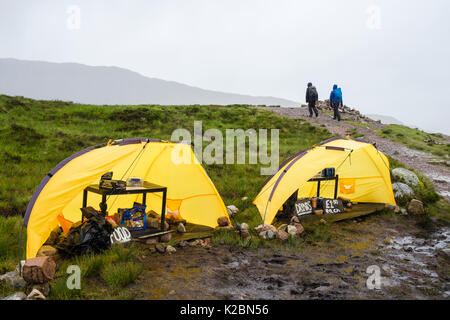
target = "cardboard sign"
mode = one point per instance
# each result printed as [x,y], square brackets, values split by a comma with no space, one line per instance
[303,207]
[332,206]
[120,235]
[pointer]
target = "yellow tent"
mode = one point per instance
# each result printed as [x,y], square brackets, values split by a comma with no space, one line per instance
[172,165]
[363,176]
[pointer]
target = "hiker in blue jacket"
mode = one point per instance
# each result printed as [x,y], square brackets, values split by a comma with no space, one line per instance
[336,101]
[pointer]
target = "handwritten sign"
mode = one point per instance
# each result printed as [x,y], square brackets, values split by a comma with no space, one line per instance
[332,206]
[303,207]
[120,235]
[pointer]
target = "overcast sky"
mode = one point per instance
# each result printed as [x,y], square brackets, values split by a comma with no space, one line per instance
[389,57]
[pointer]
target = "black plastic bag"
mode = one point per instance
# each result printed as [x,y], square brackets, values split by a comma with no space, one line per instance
[90,237]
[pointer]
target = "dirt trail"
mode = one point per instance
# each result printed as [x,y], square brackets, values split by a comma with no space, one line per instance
[417,160]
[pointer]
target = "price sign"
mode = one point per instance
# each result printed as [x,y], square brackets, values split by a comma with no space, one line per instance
[332,206]
[120,235]
[303,207]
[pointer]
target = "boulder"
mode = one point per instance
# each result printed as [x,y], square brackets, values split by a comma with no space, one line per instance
[16,296]
[35,294]
[292,230]
[232,210]
[13,280]
[299,228]
[165,237]
[267,234]
[48,251]
[44,288]
[170,249]
[160,248]
[155,223]
[244,226]
[181,228]
[415,207]
[402,190]
[245,234]
[151,241]
[406,175]
[295,219]
[223,221]
[265,227]
[282,235]
[39,270]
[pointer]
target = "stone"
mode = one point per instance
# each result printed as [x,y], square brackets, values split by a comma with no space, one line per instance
[165,237]
[282,235]
[232,210]
[151,241]
[16,296]
[244,198]
[48,251]
[405,175]
[13,280]
[283,227]
[265,227]
[402,190]
[299,228]
[245,234]
[183,244]
[223,221]
[170,249]
[244,226]
[35,294]
[292,230]
[319,212]
[267,234]
[39,270]
[323,221]
[415,207]
[155,223]
[181,228]
[160,248]
[295,219]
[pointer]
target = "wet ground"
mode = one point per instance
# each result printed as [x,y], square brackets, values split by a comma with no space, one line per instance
[423,162]
[411,267]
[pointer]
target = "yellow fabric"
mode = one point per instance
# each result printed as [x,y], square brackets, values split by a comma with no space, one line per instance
[187,184]
[359,164]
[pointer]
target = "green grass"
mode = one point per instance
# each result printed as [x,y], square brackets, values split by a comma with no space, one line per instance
[414,139]
[36,135]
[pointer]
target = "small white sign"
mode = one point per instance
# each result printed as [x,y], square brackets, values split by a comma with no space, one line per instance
[120,235]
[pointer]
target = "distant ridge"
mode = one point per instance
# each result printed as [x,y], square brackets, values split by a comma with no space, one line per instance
[109,85]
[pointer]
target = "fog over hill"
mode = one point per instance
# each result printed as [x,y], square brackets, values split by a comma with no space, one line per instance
[109,85]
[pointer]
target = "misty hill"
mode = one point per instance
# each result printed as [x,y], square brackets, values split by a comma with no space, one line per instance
[384,119]
[109,85]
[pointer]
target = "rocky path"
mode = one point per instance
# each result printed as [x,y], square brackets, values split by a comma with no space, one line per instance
[414,159]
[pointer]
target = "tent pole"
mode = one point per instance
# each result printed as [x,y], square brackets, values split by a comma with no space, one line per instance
[20,251]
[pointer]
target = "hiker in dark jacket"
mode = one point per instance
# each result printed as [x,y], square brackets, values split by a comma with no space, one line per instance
[336,101]
[311,98]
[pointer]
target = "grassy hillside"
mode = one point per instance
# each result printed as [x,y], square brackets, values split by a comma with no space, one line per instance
[37,135]
[417,139]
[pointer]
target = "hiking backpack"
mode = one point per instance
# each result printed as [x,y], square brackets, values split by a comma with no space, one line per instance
[313,95]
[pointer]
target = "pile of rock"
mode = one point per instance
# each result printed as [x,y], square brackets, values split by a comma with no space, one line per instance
[36,273]
[403,192]
[269,232]
[351,113]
